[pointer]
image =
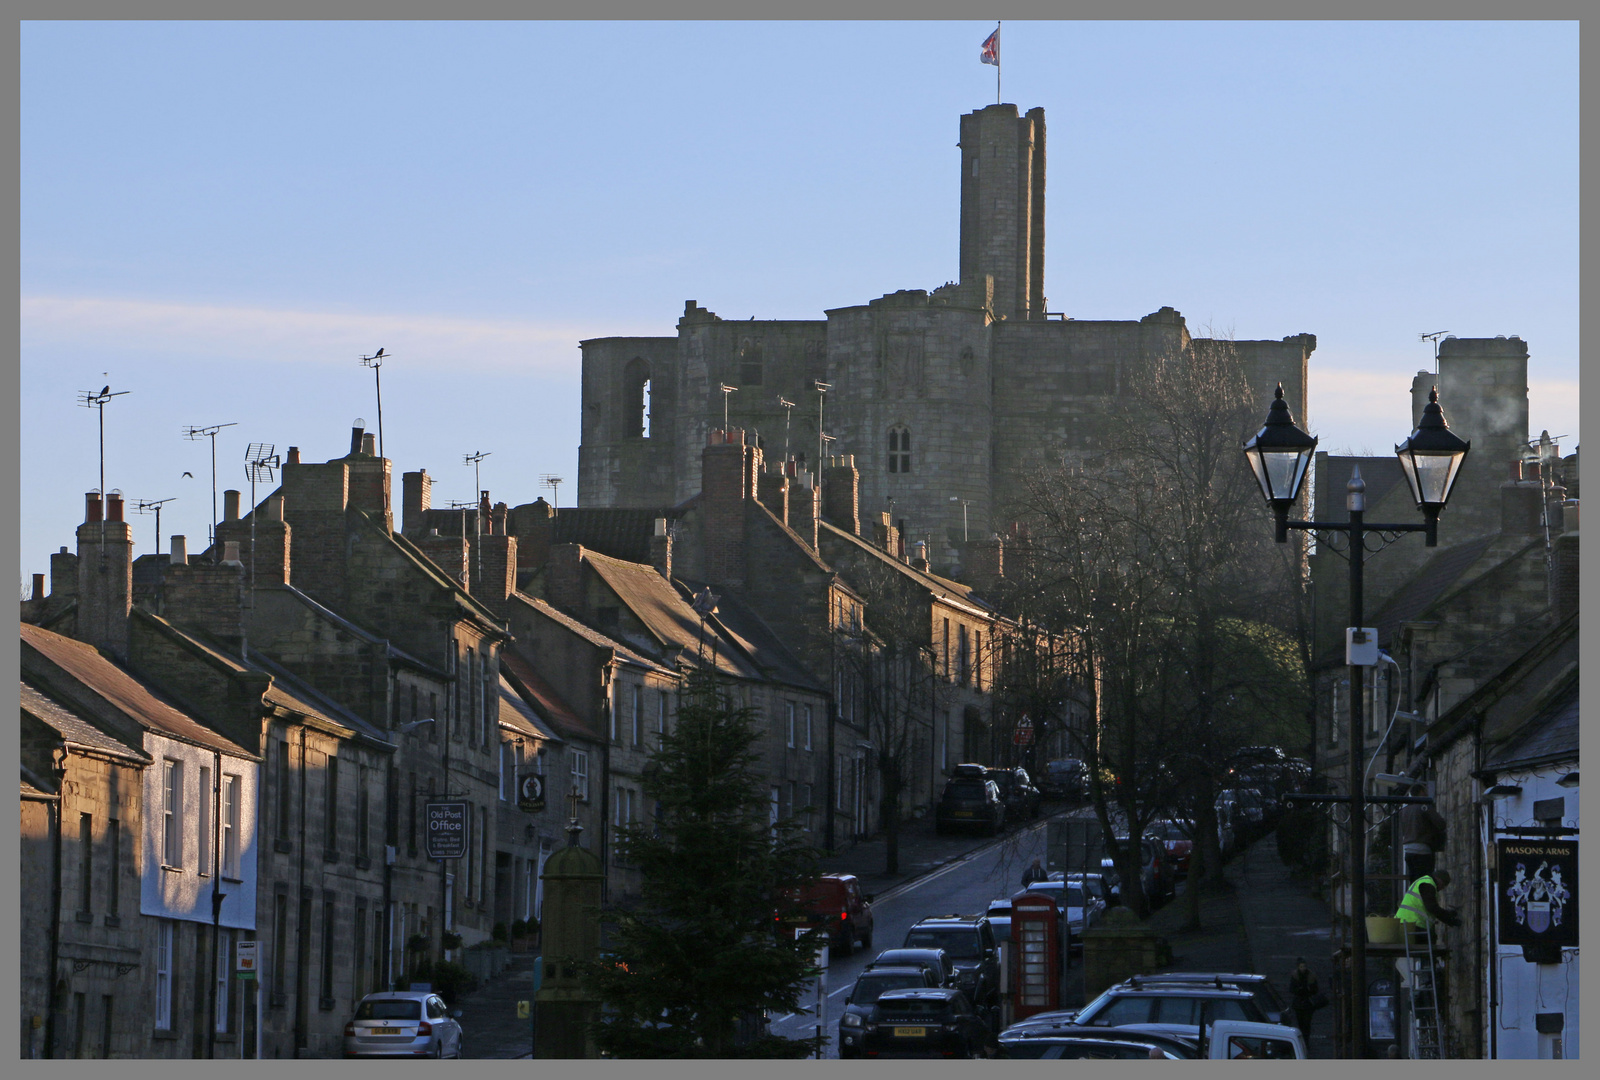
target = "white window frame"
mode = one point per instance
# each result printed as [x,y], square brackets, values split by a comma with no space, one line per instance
[172,813]
[230,826]
[580,773]
[203,829]
[164,935]
[788,711]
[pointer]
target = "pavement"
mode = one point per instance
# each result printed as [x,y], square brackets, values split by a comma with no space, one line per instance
[1262,921]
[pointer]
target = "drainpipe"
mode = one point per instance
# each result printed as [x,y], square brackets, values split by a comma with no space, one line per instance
[59,763]
[216,896]
[609,684]
[301,935]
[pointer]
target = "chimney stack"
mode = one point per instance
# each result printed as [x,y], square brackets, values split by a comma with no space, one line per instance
[180,550]
[661,548]
[803,507]
[38,586]
[774,491]
[725,484]
[105,579]
[841,493]
[416,498]
[230,505]
[563,578]
[1520,503]
[495,570]
[533,525]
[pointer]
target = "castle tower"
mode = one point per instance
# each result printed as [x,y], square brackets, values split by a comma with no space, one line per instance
[1002,207]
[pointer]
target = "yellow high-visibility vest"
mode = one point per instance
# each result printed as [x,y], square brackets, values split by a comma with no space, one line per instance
[1412,909]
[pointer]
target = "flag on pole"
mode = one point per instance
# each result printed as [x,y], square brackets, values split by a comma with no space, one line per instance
[990,53]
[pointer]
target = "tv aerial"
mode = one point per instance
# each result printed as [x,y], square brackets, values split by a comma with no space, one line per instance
[553,482]
[194,433]
[375,362]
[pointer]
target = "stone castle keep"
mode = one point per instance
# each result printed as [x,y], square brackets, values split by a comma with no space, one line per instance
[943,398]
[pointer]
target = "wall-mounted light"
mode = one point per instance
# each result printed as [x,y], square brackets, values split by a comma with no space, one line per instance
[1569,781]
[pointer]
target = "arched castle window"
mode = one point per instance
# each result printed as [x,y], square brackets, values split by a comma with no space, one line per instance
[636,401]
[899,449]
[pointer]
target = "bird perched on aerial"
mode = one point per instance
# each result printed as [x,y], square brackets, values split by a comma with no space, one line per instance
[104,390]
[379,353]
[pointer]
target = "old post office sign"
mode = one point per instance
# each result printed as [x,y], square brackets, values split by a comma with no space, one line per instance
[1536,892]
[530,793]
[449,829]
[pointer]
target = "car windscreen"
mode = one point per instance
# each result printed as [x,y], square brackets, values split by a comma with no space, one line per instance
[961,943]
[966,790]
[916,1007]
[389,1009]
[869,986]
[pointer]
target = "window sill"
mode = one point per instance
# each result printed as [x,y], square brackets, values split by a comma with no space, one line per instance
[172,869]
[233,879]
[330,856]
[113,921]
[278,999]
[327,1004]
[164,1034]
[363,863]
[86,916]
[283,847]
[226,1038]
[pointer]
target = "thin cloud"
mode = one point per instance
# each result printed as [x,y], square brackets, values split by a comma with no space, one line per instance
[319,337]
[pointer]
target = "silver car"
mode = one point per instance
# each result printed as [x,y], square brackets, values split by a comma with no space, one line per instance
[403,1023]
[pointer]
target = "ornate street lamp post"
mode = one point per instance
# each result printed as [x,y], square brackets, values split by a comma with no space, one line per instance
[1279,455]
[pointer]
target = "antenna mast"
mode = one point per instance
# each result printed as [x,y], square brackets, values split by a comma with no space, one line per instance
[90,399]
[145,506]
[194,433]
[1434,337]
[375,362]
[553,482]
[259,462]
[788,410]
[475,459]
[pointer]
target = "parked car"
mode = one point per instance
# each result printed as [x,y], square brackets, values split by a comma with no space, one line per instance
[970,943]
[835,902]
[1098,886]
[861,1007]
[935,960]
[1064,779]
[930,1022]
[1022,800]
[1169,1009]
[1266,995]
[970,802]
[403,1023]
[1155,873]
[1056,1040]
[999,915]
[1178,839]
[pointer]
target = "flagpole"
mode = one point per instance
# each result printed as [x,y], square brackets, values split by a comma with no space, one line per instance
[997,62]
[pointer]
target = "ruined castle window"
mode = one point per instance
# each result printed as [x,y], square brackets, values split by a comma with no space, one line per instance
[899,449]
[636,402]
[750,362]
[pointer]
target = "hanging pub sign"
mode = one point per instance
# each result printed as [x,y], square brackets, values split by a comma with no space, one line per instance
[530,793]
[449,825]
[1536,892]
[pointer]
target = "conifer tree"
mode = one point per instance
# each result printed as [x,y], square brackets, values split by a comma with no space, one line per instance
[700,953]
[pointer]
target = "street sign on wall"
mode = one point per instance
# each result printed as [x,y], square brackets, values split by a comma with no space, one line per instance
[1536,892]
[449,829]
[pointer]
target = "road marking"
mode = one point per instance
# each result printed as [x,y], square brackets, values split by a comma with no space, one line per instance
[907,886]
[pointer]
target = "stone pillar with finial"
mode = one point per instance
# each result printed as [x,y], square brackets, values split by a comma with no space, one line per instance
[570,932]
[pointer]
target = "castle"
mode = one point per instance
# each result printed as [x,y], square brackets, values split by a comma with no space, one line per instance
[943,398]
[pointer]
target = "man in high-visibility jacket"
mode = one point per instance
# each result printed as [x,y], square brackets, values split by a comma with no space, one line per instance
[1421,903]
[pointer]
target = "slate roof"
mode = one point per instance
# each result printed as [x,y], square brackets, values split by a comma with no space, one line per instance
[621,532]
[665,613]
[1551,734]
[138,702]
[516,715]
[1428,585]
[543,696]
[37,787]
[589,633]
[744,628]
[72,728]
[942,588]
[394,652]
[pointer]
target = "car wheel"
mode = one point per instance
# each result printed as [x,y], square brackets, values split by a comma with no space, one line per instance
[846,942]
[866,940]
[438,1049]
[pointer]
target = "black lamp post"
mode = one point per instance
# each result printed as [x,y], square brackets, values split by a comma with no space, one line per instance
[1279,454]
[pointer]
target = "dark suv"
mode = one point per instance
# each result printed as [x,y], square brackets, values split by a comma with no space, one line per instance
[968,940]
[1021,798]
[970,801]
[861,1007]
[922,1022]
[1064,778]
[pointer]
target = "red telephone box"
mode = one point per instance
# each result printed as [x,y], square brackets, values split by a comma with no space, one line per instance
[1036,974]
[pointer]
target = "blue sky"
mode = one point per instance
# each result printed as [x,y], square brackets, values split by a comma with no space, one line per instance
[222,217]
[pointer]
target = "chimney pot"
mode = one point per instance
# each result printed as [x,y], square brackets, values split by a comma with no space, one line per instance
[369,445]
[38,586]
[230,553]
[355,438]
[91,508]
[230,505]
[180,550]
[294,456]
[1516,469]
[113,507]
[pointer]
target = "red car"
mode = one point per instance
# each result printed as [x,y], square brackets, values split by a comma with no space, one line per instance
[836,903]
[1176,842]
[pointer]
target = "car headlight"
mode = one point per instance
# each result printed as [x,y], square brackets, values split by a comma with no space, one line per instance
[851,1020]
[966,978]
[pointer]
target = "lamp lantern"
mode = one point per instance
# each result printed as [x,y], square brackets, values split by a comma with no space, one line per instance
[1279,455]
[1431,459]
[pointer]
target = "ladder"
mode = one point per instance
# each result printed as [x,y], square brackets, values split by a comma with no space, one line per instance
[1427,1029]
